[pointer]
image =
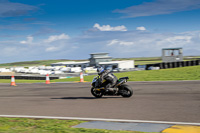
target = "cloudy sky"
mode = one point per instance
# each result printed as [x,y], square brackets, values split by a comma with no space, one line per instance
[65,29]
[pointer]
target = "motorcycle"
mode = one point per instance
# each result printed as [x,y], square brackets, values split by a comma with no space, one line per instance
[120,88]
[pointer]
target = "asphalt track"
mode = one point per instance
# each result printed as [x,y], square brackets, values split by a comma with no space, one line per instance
[177,101]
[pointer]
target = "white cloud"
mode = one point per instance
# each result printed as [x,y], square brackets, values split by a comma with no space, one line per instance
[28,41]
[117,42]
[141,28]
[176,41]
[56,37]
[51,49]
[159,7]
[37,49]
[139,44]
[109,28]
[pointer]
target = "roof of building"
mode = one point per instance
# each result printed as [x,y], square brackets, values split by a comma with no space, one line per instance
[172,48]
[101,57]
[98,53]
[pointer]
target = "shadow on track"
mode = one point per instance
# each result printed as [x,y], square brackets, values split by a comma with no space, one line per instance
[84,98]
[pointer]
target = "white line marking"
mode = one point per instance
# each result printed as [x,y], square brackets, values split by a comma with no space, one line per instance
[100,119]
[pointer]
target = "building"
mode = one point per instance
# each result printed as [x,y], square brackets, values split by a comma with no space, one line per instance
[99,57]
[118,65]
[172,54]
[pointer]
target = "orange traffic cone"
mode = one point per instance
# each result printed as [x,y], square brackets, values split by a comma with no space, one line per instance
[13,81]
[81,77]
[47,79]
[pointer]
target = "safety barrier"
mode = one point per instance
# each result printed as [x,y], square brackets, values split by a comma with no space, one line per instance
[29,77]
[166,65]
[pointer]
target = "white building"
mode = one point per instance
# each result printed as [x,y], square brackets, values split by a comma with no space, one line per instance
[99,59]
[172,54]
[118,65]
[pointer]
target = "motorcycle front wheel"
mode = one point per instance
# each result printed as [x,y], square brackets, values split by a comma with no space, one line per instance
[126,91]
[97,94]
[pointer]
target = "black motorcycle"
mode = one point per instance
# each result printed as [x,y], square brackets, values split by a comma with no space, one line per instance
[98,88]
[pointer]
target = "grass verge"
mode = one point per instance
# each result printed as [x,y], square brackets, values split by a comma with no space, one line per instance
[26,125]
[21,81]
[183,73]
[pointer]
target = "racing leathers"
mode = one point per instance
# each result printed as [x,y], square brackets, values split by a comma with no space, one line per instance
[110,79]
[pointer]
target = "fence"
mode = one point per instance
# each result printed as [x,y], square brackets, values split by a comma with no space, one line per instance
[166,65]
[29,77]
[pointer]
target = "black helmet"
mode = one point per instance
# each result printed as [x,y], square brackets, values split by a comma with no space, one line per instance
[100,70]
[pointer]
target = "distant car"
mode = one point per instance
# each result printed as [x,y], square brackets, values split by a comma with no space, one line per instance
[116,70]
[141,67]
[109,68]
[153,68]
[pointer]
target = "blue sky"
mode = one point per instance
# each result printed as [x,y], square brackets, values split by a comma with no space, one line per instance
[66,29]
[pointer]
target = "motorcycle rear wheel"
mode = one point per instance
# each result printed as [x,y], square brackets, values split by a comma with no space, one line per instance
[97,94]
[126,91]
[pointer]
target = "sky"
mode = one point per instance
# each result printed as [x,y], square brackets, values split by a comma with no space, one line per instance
[65,29]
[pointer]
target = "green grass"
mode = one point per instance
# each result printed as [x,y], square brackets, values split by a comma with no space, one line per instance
[21,81]
[153,60]
[26,125]
[142,60]
[147,62]
[183,73]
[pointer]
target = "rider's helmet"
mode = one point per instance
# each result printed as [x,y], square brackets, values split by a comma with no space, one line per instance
[100,70]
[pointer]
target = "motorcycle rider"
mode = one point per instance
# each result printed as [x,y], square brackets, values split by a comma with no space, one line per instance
[110,78]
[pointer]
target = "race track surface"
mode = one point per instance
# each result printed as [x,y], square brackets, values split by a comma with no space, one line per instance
[177,101]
